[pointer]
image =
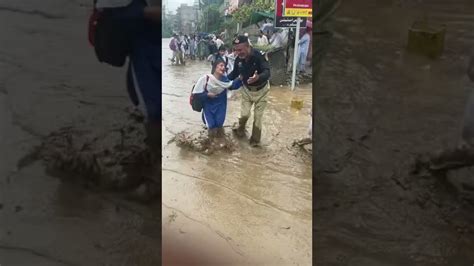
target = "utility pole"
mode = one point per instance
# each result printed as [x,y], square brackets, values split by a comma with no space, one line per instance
[295,57]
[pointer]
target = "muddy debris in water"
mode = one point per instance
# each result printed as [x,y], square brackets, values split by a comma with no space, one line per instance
[454,167]
[440,184]
[300,79]
[200,142]
[305,144]
[145,192]
[114,158]
[444,160]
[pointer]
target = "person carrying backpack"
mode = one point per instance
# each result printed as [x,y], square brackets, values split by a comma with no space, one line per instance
[138,25]
[211,91]
[174,47]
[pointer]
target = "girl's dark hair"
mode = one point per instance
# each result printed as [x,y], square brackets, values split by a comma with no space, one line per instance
[222,48]
[214,65]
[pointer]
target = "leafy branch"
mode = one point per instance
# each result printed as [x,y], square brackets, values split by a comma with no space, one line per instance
[243,13]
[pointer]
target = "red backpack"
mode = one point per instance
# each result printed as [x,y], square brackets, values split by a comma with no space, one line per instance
[94,17]
[111,38]
[172,45]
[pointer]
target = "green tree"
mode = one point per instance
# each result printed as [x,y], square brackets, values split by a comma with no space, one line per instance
[211,19]
[243,14]
[211,2]
[167,26]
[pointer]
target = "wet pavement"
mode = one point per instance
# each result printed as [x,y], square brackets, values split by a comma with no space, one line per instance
[377,110]
[257,201]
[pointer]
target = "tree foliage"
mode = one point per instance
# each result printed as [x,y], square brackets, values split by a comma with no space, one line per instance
[243,13]
[167,26]
[211,2]
[211,19]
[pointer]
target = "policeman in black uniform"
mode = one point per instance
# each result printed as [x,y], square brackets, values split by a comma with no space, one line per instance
[254,69]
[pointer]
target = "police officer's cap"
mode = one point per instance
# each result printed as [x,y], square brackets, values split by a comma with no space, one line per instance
[240,39]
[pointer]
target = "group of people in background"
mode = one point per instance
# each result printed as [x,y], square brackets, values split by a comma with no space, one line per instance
[193,47]
[210,48]
[276,39]
[200,47]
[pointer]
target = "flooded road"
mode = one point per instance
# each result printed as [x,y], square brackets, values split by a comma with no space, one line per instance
[256,200]
[50,78]
[377,109]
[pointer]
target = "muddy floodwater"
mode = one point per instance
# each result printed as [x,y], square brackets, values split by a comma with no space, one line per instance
[50,79]
[378,109]
[249,205]
[257,201]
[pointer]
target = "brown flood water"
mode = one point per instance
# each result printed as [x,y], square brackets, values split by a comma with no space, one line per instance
[377,108]
[50,78]
[257,201]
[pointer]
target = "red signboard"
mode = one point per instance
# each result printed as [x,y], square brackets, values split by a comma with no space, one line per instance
[298,8]
[298,4]
[285,22]
[279,8]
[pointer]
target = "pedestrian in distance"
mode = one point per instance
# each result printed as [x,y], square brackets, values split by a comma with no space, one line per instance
[303,48]
[201,48]
[221,55]
[262,39]
[174,47]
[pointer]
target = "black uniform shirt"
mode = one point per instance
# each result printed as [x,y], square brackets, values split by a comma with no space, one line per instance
[257,62]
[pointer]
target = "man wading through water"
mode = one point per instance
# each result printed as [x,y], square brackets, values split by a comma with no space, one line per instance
[254,69]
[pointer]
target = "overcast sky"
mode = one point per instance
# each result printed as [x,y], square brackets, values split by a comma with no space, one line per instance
[172,5]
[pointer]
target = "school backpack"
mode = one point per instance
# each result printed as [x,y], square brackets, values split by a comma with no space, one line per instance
[111,37]
[172,45]
[194,101]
